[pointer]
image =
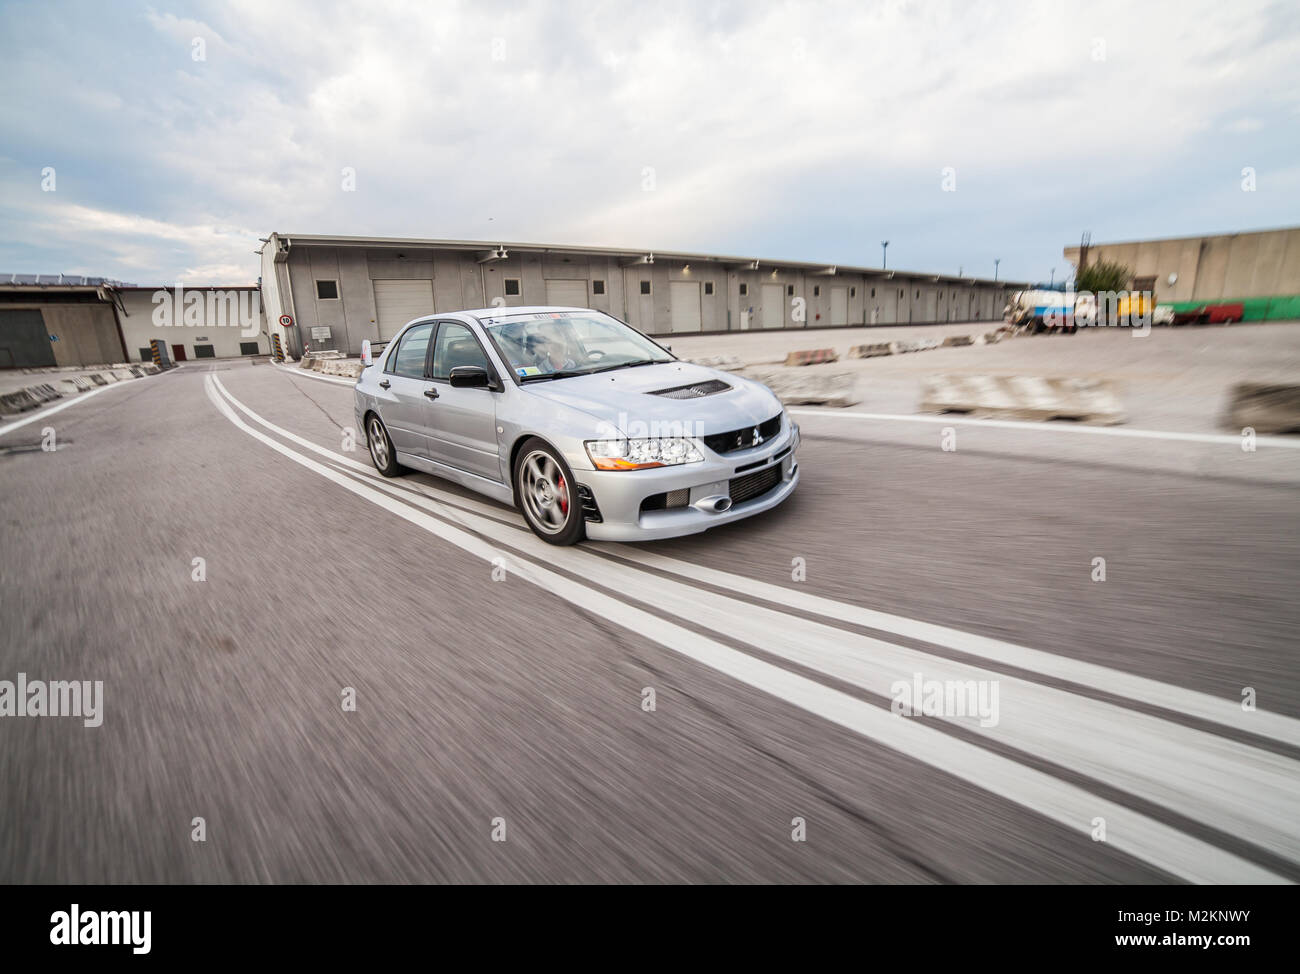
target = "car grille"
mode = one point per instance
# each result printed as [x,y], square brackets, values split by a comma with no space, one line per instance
[696,390]
[754,484]
[743,439]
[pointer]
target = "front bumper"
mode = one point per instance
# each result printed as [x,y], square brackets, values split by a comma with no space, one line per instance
[619,494]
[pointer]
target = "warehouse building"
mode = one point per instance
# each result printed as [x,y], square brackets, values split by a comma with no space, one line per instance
[198,322]
[1247,267]
[339,291]
[58,320]
[49,320]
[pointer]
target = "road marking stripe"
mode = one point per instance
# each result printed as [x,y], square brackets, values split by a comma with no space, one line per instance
[1224,439]
[1193,703]
[1230,786]
[1144,837]
[80,397]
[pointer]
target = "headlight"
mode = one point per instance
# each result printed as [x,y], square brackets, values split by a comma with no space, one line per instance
[640,454]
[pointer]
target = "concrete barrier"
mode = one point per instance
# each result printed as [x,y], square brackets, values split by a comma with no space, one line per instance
[123,374]
[44,392]
[808,388]
[345,368]
[812,356]
[1091,401]
[74,386]
[873,350]
[98,379]
[954,340]
[726,363]
[989,338]
[1265,407]
[18,402]
[309,359]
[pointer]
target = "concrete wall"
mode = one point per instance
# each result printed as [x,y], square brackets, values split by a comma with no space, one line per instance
[1240,265]
[459,281]
[210,323]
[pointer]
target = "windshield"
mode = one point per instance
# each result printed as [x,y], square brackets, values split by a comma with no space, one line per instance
[554,344]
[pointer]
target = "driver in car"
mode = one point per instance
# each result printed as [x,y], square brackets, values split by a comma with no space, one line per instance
[550,356]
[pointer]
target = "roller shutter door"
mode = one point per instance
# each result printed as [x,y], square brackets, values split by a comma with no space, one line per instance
[397,302]
[567,294]
[685,297]
[24,343]
[773,305]
[839,306]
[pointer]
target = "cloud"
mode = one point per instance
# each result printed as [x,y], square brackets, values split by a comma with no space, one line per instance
[806,130]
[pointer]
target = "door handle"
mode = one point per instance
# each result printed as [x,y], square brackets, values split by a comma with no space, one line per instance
[431,393]
[385,384]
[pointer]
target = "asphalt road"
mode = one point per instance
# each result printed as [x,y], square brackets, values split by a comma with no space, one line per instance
[518,702]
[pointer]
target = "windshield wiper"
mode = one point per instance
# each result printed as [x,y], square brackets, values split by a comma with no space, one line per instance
[562,374]
[633,365]
[568,373]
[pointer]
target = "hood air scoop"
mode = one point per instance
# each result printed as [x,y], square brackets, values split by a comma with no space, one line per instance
[696,390]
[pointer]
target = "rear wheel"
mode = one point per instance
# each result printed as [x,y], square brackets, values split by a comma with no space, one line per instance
[547,495]
[382,454]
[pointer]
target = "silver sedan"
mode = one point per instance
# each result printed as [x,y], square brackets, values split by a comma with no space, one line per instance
[586,425]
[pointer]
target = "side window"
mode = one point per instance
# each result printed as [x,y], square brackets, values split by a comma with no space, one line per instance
[455,346]
[409,358]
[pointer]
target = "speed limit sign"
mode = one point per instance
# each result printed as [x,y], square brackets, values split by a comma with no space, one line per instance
[286,320]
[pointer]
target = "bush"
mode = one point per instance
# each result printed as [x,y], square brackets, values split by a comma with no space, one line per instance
[1103,275]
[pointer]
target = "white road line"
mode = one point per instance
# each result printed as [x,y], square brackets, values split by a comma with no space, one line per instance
[950,420]
[1129,831]
[80,398]
[1193,703]
[1233,787]
[337,380]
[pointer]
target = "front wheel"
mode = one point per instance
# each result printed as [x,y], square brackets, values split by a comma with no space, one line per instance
[382,453]
[547,495]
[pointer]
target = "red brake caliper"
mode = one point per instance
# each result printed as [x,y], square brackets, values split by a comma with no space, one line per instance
[564,497]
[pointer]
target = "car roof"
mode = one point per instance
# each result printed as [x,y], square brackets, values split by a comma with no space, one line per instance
[531,309]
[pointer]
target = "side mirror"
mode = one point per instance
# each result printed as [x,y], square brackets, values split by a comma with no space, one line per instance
[470,377]
[367,359]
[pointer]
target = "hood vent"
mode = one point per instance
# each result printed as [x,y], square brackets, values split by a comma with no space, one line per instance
[696,390]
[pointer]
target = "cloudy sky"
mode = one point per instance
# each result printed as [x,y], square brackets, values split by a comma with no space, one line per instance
[178,134]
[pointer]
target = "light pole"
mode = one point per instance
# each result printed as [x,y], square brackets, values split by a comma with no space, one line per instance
[884,252]
[996,261]
[1052,283]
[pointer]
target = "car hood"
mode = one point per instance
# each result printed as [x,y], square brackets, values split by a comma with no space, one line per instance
[625,399]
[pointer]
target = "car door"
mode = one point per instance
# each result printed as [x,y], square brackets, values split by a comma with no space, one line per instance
[462,423]
[403,405]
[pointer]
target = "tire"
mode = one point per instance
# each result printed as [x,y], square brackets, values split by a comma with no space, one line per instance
[547,495]
[382,454]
